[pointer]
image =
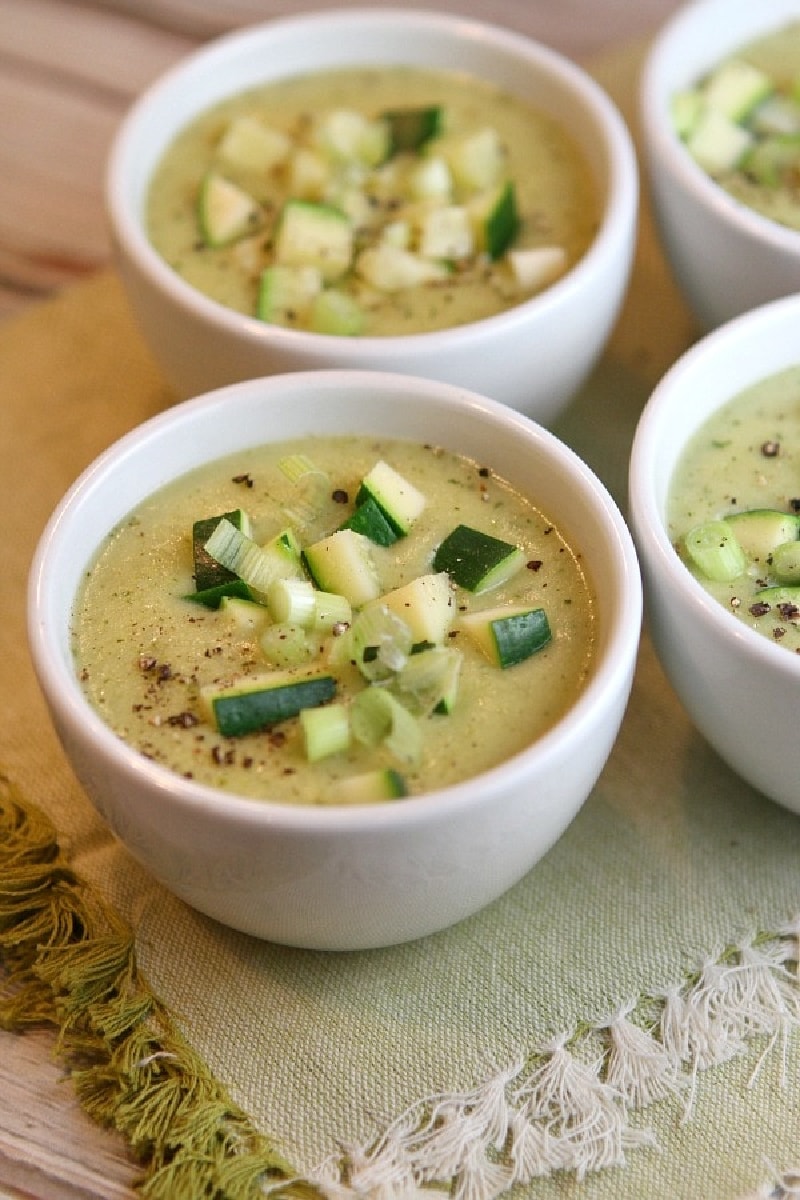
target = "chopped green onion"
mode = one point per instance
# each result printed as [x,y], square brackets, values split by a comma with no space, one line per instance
[326,730]
[785,562]
[240,554]
[379,642]
[288,645]
[296,466]
[714,549]
[291,601]
[430,678]
[312,488]
[330,611]
[378,718]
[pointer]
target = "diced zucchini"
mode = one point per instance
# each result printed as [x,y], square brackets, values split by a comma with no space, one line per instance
[287,294]
[348,136]
[262,701]
[450,682]
[247,615]
[785,562]
[399,501]
[717,143]
[537,267]
[212,597]
[284,551]
[383,783]
[508,635]
[397,233]
[426,605]
[759,530]
[369,519]
[314,235]
[250,145]
[445,231]
[781,596]
[308,174]
[736,88]
[777,115]
[208,573]
[713,548]
[685,109]
[496,220]
[477,158]
[350,199]
[342,563]
[773,160]
[326,731]
[335,312]
[430,179]
[226,212]
[390,268]
[410,128]
[475,560]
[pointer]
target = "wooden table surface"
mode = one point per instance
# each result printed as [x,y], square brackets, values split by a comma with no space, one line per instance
[68,71]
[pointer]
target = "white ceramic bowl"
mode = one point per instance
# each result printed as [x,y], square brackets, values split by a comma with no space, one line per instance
[740,689]
[726,258]
[377,874]
[533,357]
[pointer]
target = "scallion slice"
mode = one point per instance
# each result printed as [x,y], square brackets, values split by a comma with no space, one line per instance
[241,555]
[326,730]
[312,489]
[291,601]
[429,679]
[285,645]
[378,718]
[713,548]
[379,642]
[786,562]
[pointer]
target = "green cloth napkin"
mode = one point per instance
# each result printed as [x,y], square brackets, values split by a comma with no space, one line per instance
[666,916]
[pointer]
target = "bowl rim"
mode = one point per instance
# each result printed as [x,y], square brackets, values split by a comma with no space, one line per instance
[614,665]
[658,83]
[619,209]
[646,514]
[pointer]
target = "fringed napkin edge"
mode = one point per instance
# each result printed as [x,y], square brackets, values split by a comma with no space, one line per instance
[69,962]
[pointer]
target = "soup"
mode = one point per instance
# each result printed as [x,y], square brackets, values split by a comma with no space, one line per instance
[373,202]
[154,656]
[734,507]
[742,125]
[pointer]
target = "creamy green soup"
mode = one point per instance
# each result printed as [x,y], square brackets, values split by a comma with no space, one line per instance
[742,124]
[145,653]
[746,460]
[425,210]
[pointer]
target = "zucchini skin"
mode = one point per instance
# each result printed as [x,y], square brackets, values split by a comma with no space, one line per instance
[239,712]
[208,573]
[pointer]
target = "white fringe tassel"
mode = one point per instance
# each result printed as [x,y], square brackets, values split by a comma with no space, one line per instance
[565,1108]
